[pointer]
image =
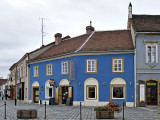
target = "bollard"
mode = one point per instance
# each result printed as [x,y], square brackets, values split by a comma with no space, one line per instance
[80,111]
[15,101]
[123,111]
[5,110]
[45,111]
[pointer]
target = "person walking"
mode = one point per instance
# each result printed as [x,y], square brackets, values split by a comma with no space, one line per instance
[2,96]
[6,95]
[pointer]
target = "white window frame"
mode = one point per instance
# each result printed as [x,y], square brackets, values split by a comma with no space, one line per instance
[151,45]
[48,69]
[35,71]
[93,68]
[113,65]
[123,92]
[64,67]
[88,92]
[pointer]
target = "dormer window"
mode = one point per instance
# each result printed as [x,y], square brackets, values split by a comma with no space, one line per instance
[151,53]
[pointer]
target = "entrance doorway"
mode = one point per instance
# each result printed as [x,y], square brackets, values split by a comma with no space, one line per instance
[151,92]
[64,94]
[36,95]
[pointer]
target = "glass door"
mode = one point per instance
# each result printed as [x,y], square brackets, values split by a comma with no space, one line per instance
[36,95]
[151,93]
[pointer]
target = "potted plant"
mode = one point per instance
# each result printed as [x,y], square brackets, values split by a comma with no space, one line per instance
[107,111]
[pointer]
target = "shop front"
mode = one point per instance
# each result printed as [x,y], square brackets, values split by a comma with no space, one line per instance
[20,91]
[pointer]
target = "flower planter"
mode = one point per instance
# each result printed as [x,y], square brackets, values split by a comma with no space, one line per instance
[104,114]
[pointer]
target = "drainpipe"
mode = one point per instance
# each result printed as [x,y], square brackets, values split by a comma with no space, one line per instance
[135,78]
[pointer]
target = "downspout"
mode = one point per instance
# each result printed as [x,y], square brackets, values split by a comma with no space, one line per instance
[135,78]
[28,77]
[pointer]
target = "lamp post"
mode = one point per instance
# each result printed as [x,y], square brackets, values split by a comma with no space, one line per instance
[16,77]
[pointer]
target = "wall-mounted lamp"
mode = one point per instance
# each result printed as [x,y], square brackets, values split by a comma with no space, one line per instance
[41,88]
[104,83]
[79,84]
[130,83]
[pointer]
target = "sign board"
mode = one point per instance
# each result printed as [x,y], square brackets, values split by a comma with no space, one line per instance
[52,82]
[151,84]
[71,70]
[142,93]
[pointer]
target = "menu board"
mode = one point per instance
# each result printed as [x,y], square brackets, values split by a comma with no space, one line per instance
[142,93]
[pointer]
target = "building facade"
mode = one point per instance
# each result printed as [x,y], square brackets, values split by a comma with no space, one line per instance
[145,31]
[19,75]
[90,68]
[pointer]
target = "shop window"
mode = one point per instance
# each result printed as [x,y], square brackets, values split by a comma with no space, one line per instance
[91,92]
[118,92]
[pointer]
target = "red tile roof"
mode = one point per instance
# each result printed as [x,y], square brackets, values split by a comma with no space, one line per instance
[99,41]
[66,46]
[3,81]
[109,41]
[146,23]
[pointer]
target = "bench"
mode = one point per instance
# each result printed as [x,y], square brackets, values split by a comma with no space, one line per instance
[27,114]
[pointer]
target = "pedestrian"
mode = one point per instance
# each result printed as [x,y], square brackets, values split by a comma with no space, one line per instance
[6,95]
[2,96]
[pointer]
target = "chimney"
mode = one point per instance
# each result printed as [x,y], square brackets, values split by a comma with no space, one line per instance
[58,38]
[89,29]
[130,10]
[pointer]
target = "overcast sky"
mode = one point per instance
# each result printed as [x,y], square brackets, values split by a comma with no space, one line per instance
[20,26]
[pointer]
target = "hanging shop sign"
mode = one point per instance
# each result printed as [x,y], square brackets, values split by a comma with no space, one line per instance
[52,82]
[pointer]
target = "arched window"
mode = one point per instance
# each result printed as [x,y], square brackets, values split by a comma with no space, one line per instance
[91,89]
[118,88]
[48,90]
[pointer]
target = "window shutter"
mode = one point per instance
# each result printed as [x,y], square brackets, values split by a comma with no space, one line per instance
[57,94]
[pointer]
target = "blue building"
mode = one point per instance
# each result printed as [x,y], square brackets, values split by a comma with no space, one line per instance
[91,68]
[145,31]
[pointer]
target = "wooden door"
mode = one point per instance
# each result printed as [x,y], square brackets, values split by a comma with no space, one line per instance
[57,94]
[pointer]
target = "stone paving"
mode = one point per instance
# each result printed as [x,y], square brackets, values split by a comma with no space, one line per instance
[62,112]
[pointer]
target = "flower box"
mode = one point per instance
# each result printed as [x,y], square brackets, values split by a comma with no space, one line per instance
[104,114]
[27,114]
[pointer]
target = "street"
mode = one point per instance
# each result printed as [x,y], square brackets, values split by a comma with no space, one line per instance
[63,112]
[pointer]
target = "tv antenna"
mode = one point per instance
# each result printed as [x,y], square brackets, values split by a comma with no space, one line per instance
[42,30]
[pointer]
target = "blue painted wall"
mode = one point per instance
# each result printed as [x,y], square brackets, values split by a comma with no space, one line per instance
[104,74]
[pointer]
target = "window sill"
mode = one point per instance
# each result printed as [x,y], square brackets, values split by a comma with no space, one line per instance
[118,98]
[49,75]
[118,72]
[91,72]
[35,76]
[91,99]
[64,74]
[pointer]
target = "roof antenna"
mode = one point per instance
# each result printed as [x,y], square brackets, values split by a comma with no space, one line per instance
[42,31]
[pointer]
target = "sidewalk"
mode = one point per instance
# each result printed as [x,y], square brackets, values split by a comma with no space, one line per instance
[62,112]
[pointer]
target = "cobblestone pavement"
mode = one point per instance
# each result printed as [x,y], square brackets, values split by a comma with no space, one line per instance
[62,112]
